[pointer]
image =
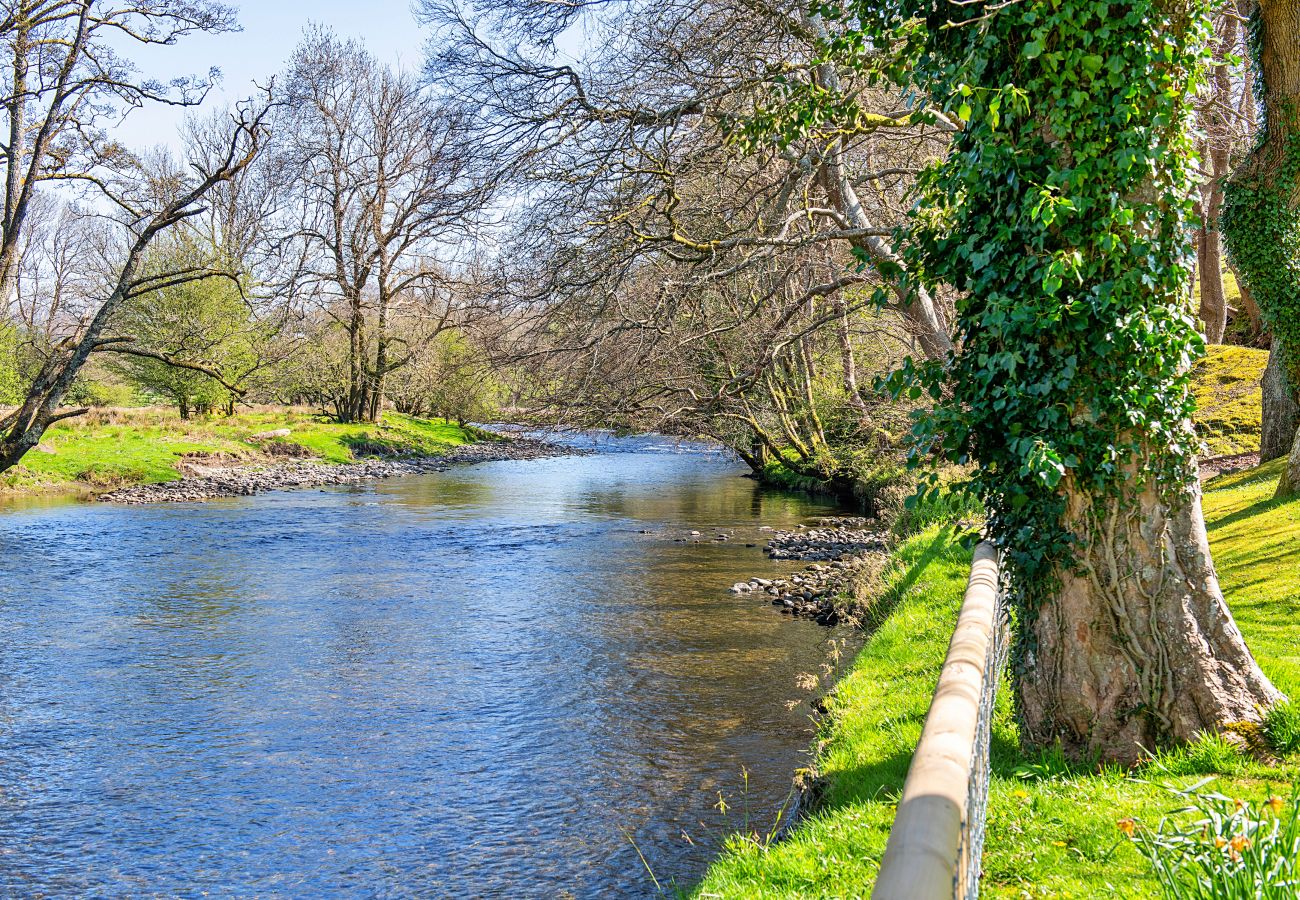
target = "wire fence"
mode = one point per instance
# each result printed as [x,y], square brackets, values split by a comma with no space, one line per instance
[937,841]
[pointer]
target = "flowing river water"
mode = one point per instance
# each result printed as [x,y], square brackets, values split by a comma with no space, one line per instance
[508,680]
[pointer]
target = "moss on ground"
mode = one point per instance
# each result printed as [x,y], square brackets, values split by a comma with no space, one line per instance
[1051,828]
[1226,385]
[114,448]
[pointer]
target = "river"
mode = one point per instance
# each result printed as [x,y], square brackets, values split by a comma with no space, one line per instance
[509,680]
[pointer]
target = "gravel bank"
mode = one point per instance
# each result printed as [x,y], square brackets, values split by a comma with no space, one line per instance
[246,480]
[839,548]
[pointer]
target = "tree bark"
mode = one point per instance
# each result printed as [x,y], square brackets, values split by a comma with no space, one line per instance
[1289,484]
[1137,648]
[1279,64]
[1248,305]
[1214,299]
[1279,413]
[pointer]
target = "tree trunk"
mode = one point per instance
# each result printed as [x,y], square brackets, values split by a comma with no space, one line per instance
[356,367]
[1214,300]
[1137,649]
[1278,59]
[183,405]
[379,380]
[1279,413]
[1248,305]
[1289,483]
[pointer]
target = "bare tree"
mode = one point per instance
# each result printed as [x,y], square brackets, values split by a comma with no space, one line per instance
[383,186]
[602,145]
[67,77]
[148,209]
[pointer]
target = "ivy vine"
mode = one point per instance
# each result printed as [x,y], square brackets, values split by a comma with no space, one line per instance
[1063,217]
[1261,222]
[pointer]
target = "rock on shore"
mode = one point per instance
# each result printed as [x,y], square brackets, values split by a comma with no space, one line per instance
[840,547]
[246,480]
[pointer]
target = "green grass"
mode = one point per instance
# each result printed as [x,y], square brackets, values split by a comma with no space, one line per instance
[1226,385]
[112,448]
[1051,830]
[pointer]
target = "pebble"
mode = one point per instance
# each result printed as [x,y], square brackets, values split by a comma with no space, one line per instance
[836,547]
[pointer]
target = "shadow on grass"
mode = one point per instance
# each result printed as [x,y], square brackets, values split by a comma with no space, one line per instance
[880,609]
[1248,512]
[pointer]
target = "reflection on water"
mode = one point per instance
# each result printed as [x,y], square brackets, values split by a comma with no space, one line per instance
[483,683]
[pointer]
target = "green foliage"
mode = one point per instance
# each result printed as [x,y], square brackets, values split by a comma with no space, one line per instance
[12,381]
[1261,229]
[1063,218]
[1282,727]
[1225,848]
[203,322]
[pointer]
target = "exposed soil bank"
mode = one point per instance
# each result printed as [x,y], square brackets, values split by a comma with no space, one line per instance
[246,480]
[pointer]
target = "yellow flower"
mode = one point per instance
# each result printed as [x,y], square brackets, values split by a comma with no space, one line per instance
[1239,843]
[1128,826]
[1220,842]
[1277,804]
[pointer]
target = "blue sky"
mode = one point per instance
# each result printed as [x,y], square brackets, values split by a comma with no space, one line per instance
[271,29]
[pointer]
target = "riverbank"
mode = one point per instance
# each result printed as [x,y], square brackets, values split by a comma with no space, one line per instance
[1051,830]
[152,455]
[247,480]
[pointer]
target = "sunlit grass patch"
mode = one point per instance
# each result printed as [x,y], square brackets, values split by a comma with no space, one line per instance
[109,448]
[1226,385]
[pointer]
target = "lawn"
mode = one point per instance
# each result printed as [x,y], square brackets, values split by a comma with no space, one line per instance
[1225,383]
[1052,830]
[113,448]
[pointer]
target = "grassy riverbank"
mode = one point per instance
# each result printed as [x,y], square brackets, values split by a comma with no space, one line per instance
[121,447]
[1051,829]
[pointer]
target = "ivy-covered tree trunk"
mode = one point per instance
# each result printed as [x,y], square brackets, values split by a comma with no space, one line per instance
[1261,221]
[1063,216]
[1136,648]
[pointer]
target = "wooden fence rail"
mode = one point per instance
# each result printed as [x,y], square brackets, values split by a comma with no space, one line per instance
[934,846]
